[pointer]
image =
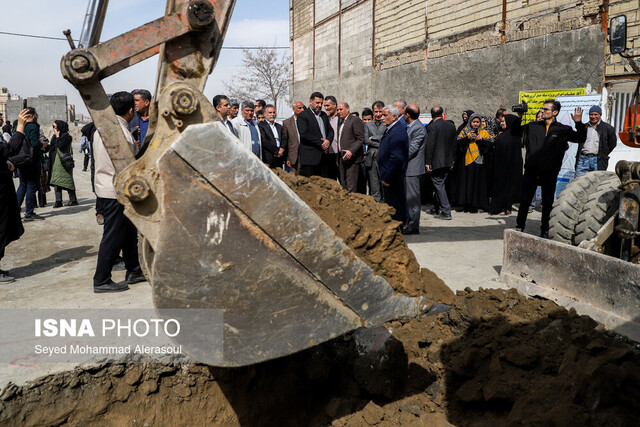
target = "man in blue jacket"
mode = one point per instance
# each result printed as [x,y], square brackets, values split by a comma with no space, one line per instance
[393,156]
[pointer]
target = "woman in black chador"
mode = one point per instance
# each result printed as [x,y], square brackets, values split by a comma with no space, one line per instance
[507,171]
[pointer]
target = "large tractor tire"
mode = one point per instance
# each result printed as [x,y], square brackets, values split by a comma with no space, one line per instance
[600,206]
[570,203]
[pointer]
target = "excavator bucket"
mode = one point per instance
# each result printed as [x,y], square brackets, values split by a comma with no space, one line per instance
[597,285]
[222,233]
[234,237]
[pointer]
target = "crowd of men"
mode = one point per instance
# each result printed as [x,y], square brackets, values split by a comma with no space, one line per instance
[335,143]
[385,151]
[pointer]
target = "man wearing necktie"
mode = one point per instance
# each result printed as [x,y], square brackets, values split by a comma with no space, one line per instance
[274,143]
[223,107]
[393,157]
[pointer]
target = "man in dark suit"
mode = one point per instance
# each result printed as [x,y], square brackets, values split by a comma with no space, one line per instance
[316,135]
[415,168]
[350,153]
[290,132]
[274,145]
[393,156]
[441,139]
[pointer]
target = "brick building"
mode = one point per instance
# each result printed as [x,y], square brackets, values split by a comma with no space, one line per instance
[475,54]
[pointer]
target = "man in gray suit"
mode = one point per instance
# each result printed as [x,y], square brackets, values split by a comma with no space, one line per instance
[373,132]
[441,139]
[415,168]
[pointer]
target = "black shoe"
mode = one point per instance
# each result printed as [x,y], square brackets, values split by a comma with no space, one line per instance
[110,287]
[520,229]
[443,216]
[5,272]
[72,203]
[84,170]
[5,278]
[406,231]
[57,205]
[32,216]
[42,205]
[134,277]
[434,211]
[545,235]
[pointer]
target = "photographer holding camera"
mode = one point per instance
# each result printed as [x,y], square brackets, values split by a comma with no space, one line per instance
[546,143]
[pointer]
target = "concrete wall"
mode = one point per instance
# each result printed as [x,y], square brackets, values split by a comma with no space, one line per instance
[483,79]
[400,32]
[461,54]
[48,107]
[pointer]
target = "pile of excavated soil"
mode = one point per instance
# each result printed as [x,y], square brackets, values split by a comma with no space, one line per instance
[496,357]
[367,228]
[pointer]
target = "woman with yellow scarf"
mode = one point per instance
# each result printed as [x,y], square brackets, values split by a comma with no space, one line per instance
[470,187]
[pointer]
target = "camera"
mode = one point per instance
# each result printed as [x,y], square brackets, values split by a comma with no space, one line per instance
[520,108]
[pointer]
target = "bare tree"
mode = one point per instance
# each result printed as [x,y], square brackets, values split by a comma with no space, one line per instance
[265,75]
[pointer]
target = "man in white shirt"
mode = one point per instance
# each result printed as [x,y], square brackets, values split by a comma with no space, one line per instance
[119,232]
[593,154]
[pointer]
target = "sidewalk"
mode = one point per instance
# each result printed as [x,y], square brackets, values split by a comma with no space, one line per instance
[466,251]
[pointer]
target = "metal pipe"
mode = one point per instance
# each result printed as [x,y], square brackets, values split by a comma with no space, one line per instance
[373,34]
[67,34]
[504,21]
[93,21]
[339,37]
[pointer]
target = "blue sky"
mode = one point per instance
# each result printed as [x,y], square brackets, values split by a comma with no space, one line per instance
[31,67]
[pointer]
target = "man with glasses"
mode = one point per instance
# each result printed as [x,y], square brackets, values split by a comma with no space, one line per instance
[546,144]
[373,132]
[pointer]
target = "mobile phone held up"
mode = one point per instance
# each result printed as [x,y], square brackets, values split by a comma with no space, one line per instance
[24,103]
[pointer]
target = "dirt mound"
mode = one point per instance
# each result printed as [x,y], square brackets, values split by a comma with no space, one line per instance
[117,394]
[496,357]
[366,226]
